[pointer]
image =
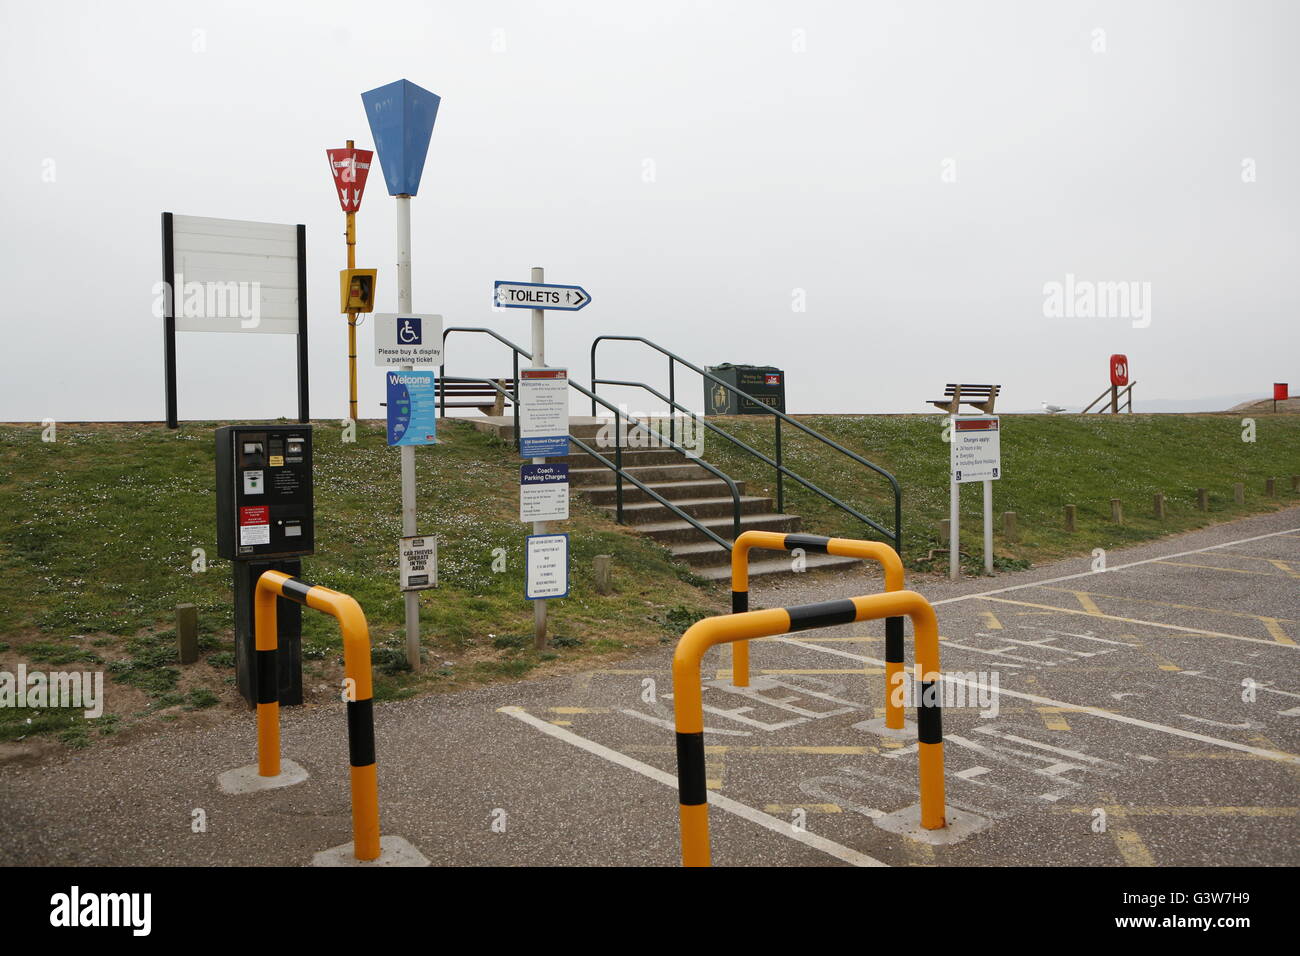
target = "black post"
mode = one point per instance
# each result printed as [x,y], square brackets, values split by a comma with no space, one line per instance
[304,414]
[593,377]
[288,617]
[516,409]
[169,320]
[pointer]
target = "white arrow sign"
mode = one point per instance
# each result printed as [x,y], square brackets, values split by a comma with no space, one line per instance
[536,295]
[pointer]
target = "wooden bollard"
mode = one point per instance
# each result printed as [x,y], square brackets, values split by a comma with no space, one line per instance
[1239,493]
[1160,505]
[1270,487]
[187,632]
[1009,525]
[1116,511]
[1069,517]
[945,532]
[604,582]
[1202,499]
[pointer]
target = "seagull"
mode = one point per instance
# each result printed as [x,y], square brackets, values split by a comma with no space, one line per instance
[1052,409]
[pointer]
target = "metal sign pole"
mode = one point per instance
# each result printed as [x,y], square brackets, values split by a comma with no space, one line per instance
[539,527]
[954,510]
[412,598]
[954,531]
[988,525]
[352,316]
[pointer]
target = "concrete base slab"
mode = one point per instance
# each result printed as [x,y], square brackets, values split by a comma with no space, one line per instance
[247,779]
[907,822]
[877,726]
[393,851]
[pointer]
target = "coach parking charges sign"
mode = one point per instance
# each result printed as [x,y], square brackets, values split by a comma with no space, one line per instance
[544,492]
[412,408]
[547,574]
[976,449]
[543,412]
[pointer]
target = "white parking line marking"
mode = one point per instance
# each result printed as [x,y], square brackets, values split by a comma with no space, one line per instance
[744,811]
[1112,570]
[1080,708]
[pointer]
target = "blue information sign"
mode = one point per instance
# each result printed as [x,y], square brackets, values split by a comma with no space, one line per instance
[412,408]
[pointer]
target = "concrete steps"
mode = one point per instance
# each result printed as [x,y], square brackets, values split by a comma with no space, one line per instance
[684,482]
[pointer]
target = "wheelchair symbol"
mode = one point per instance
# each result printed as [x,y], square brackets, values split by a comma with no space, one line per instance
[410,332]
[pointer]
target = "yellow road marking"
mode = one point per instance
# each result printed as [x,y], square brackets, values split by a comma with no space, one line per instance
[1215,567]
[838,640]
[725,673]
[1280,565]
[1198,811]
[1052,721]
[1087,603]
[1275,630]
[991,621]
[562,723]
[1128,620]
[1181,607]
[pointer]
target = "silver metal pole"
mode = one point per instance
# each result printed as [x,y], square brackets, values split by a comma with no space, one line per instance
[407,451]
[988,525]
[954,513]
[539,527]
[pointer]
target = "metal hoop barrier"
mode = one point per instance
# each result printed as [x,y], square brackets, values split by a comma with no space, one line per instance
[356,670]
[890,563]
[688,704]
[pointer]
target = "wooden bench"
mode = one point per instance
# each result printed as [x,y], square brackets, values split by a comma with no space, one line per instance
[977,396]
[476,395]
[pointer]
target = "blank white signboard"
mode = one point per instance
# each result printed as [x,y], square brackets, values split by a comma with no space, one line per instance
[219,254]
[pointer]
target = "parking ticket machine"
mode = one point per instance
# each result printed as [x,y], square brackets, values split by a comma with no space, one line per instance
[265,522]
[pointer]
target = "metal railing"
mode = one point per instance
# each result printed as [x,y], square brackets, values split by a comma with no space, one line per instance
[620,473]
[782,471]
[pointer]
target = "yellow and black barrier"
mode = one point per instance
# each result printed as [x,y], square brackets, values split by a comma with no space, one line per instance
[360,699]
[688,704]
[890,563]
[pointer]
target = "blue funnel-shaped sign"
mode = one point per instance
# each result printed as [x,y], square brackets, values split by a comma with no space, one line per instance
[401,119]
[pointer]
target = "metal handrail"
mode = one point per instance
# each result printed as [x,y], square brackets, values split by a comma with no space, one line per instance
[756,453]
[442,391]
[617,465]
[896,536]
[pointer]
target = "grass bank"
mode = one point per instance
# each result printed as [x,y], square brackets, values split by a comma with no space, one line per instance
[1048,462]
[98,531]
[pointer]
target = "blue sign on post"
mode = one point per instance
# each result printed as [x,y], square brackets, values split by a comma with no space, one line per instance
[412,408]
[401,117]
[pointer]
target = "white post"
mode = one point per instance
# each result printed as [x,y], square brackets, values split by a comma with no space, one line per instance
[539,527]
[954,509]
[988,525]
[954,528]
[407,451]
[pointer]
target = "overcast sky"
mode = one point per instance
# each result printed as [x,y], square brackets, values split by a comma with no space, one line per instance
[911,174]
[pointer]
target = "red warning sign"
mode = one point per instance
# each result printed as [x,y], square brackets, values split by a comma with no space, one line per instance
[254,525]
[349,167]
